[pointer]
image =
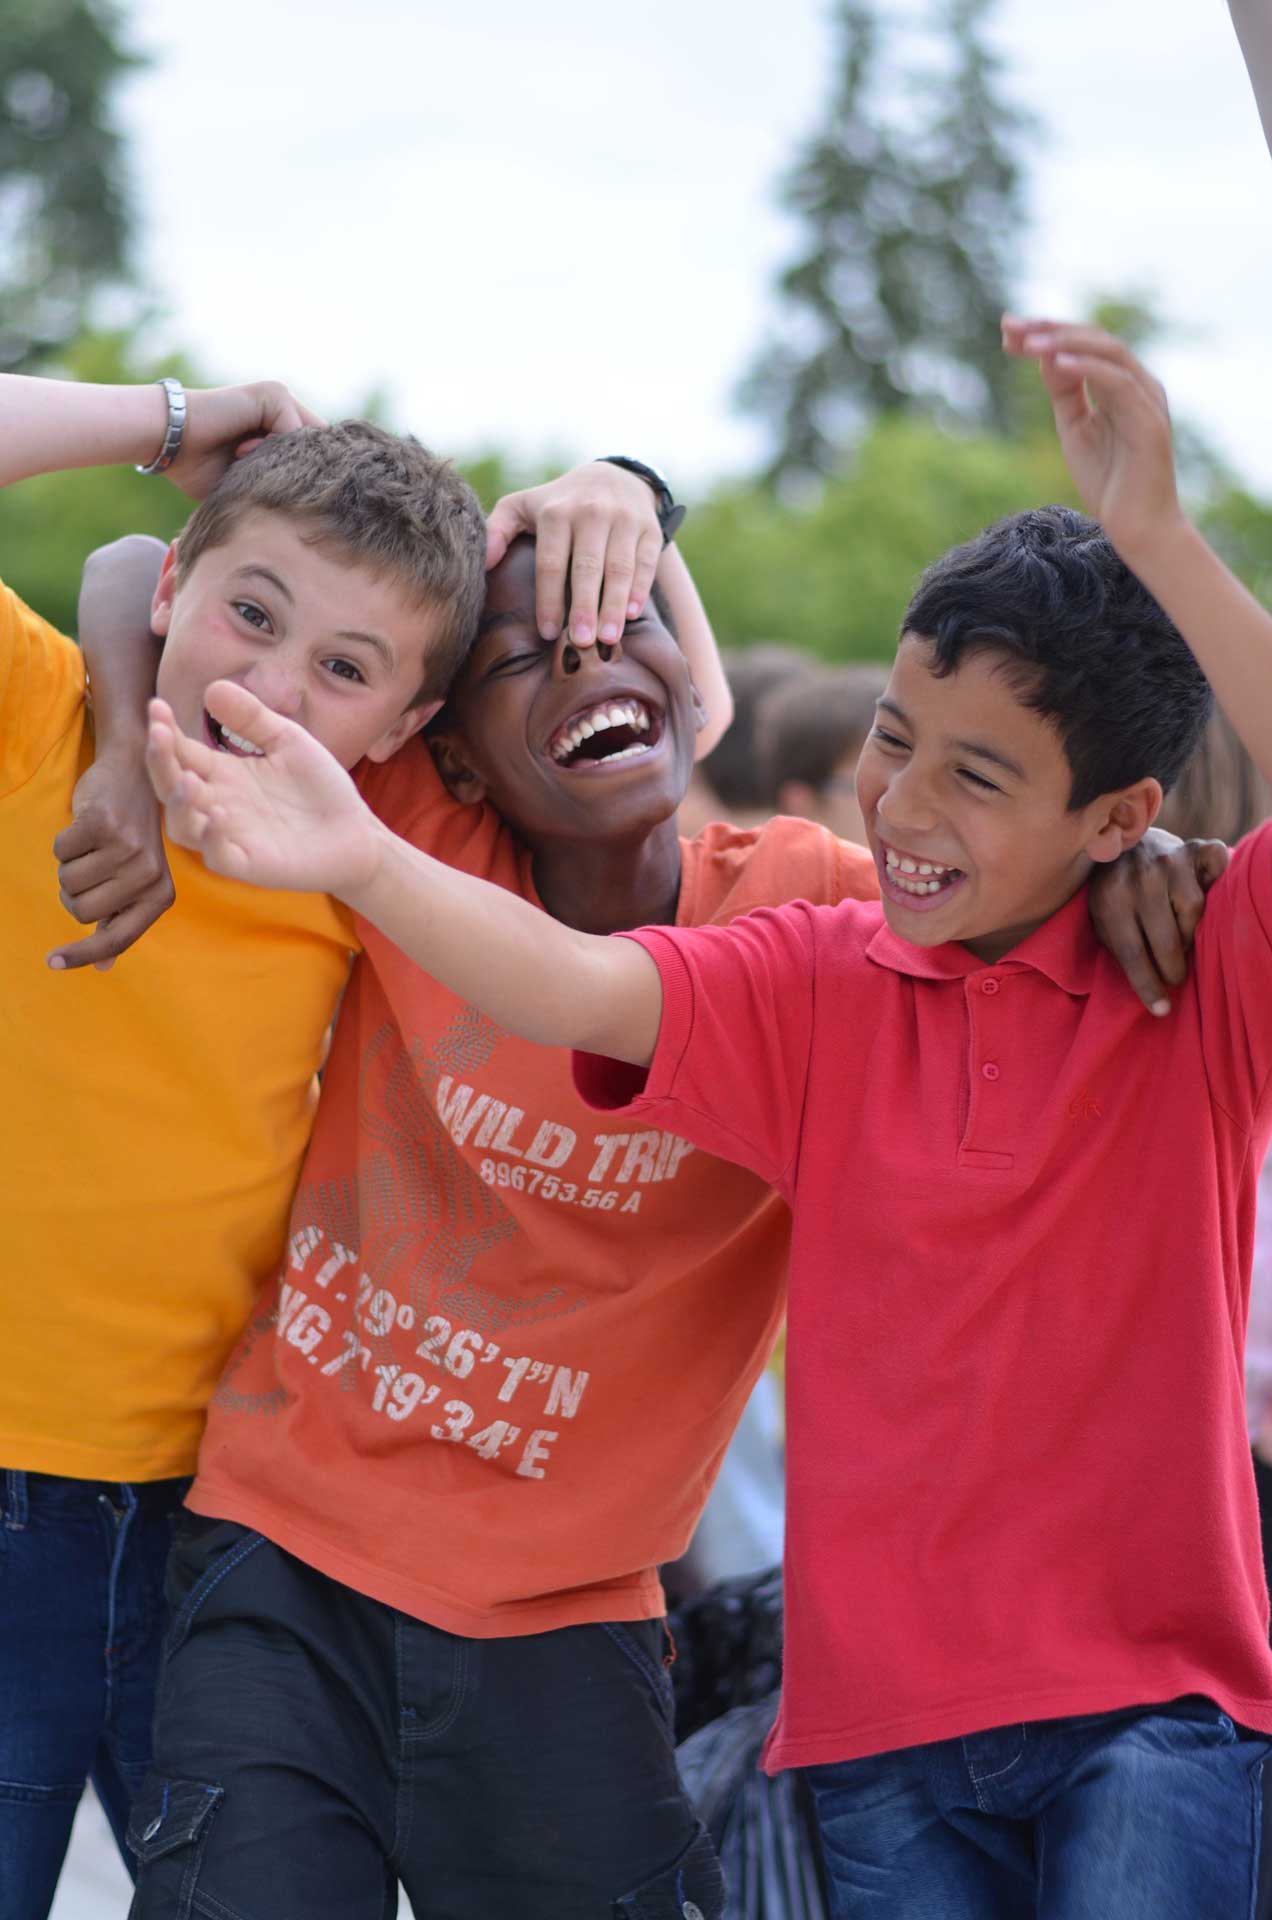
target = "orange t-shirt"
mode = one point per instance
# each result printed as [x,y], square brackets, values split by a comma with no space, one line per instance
[510,1345]
[154,1117]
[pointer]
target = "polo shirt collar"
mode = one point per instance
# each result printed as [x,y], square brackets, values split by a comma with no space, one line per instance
[1064,949]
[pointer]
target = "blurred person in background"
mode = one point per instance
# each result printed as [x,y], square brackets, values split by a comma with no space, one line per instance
[731,782]
[809,732]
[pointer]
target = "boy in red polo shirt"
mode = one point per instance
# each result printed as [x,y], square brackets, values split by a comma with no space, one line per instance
[1024,1680]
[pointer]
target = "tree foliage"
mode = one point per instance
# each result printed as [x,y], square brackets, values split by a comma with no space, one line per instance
[909,199]
[65,209]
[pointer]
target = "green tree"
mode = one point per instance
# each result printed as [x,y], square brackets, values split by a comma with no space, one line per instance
[65,208]
[910,200]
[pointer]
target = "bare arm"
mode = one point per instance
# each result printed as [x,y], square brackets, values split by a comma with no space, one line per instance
[1114,426]
[49,425]
[291,817]
[112,863]
[698,643]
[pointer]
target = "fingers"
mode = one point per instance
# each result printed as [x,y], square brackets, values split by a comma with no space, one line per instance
[1209,860]
[113,936]
[1165,944]
[508,518]
[551,564]
[244,715]
[631,558]
[1133,954]
[95,888]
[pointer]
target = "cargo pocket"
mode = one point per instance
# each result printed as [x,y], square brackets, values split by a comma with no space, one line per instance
[167,1832]
[692,1888]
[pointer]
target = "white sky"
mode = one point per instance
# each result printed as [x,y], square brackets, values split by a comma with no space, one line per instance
[551,226]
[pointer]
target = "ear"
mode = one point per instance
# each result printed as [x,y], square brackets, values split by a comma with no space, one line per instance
[400,732]
[798,799]
[165,592]
[1119,821]
[461,780]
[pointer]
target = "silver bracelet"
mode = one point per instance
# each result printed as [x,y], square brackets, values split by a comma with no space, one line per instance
[177,409]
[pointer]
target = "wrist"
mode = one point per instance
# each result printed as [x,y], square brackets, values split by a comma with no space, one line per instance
[1151,546]
[368,867]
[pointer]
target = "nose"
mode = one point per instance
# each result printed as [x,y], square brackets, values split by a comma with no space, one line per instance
[276,685]
[906,806]
[567,659]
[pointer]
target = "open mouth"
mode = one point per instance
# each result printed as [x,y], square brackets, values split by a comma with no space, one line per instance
[917,883]
[224,741]
[606,735]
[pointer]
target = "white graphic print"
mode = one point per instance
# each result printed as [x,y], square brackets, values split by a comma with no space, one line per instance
[383,1294]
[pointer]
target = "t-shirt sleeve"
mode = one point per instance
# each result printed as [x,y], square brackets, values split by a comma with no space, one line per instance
[731,1063]
[41,689]
[1233,958]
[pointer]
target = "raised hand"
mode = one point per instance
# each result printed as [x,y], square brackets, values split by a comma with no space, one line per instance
[283,815]
[596,526]
[1114,426]
[224,423]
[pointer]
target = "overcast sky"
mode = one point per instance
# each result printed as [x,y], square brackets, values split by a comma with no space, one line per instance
[552,226]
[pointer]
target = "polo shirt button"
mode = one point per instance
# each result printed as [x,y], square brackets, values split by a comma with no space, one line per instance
[989,1070]
[989,986]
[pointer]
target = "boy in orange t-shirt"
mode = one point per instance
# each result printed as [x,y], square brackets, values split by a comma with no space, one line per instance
[494,1386]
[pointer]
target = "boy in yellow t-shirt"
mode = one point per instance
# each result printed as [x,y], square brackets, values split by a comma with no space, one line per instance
[157,1117]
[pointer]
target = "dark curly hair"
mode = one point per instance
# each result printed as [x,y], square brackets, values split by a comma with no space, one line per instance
[1084,642]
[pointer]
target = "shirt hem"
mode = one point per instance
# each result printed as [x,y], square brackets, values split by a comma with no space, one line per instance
[588,1606]
[952,1723]
[79,1463]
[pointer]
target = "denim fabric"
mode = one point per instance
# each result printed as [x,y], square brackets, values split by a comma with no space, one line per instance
[81,1607]
[1151,1814]
[313,1748]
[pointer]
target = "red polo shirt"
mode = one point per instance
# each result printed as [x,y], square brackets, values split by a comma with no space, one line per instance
[1018,1478]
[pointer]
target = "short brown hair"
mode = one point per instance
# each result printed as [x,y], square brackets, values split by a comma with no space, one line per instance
[379,499]
[808,727]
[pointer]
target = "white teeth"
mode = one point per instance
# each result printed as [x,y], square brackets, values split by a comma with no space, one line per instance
[908,866]
[237,740]
[631,714]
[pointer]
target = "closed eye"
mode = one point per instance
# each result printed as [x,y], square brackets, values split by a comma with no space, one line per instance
[978,780]
[887,739]
[514,663]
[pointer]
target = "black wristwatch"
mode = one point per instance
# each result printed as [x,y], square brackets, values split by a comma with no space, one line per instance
[670,514]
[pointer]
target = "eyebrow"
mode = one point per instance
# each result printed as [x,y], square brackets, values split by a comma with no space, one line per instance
[975,749]
[509,617]
[255,571]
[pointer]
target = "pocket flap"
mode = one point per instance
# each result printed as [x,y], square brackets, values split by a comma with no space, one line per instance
[168,1814]
[692,1888]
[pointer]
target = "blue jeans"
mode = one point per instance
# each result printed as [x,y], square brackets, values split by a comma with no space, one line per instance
[81,1630]
[1149,1814]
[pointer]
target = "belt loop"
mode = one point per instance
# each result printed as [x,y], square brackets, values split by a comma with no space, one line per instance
[15,1499]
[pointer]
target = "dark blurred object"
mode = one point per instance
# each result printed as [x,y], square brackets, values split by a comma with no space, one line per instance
[732,782]
[63,174]
[809,734]
[1221,794]
[727,1678]
[728,1649]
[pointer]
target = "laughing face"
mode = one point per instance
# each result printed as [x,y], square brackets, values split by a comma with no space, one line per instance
[965,795]
[317,638]
[586,744]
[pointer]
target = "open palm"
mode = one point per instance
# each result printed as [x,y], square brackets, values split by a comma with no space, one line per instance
[288,816]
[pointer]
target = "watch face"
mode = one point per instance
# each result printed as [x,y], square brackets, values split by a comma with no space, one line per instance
[672,521]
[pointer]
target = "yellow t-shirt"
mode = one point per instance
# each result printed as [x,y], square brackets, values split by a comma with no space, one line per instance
[154,1117]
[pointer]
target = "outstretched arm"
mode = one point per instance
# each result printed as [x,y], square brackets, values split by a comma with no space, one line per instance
[289,816]
[49,425]
[1114,427]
